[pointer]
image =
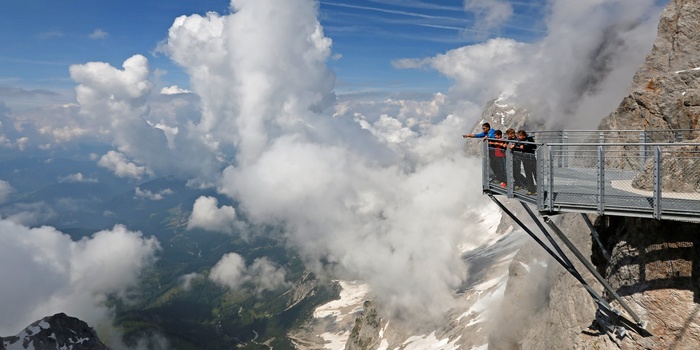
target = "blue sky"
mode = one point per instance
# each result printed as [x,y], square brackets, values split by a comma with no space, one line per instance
[41,39]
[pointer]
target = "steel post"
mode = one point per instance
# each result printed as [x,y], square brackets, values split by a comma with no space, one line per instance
[657,182]
[601,180]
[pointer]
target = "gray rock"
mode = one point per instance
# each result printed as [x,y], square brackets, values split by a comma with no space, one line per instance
[665,91]
[365,333]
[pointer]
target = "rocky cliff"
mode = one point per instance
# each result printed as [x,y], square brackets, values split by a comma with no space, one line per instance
[665,91]
[55,332]
[654,264]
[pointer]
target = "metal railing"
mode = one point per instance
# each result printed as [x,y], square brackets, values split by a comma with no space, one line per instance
[658,180]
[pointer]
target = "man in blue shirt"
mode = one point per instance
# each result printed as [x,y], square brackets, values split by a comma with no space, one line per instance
[488,132]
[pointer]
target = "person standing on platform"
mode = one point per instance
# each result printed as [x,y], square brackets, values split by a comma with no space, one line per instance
[487,132]
[498,161]
[518,177]
[527,153]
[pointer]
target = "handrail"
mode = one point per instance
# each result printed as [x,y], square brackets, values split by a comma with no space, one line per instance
[654,180]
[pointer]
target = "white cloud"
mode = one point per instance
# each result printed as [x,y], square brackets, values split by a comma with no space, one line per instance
[489,14]
[188,279]
[231,272]
[174,90]
[253,84]
[45,272]
[267,275]
[77,177]
[5,191]
[121,167]
[118,105]
[207,215]
[368,201]
[573,77]
[139,193]
[98,33]
[29,214]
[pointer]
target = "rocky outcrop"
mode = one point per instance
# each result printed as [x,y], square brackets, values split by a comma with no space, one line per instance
[680,171]
[365,333]
[665,91]
[655,266]
[55,332]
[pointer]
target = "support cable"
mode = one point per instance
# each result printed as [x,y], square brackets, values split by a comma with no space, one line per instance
[595,235]
[592,270]
[565,264]
[606,316]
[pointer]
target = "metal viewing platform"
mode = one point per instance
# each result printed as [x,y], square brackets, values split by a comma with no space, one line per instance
[606,173]
[635,173]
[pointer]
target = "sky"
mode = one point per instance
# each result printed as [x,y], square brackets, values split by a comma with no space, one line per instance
[368,35]
[340,120]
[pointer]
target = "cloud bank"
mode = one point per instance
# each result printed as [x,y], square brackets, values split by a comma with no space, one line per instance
[45,272]
[572,77]
[231,272]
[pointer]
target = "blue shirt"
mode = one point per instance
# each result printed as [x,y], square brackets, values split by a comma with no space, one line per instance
[491,134]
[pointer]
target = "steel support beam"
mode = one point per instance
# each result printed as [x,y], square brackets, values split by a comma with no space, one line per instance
[592,270]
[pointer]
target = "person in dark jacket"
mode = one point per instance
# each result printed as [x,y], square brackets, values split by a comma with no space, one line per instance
[517,161]
[526,153]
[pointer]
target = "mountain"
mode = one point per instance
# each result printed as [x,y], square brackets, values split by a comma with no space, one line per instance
[54,332]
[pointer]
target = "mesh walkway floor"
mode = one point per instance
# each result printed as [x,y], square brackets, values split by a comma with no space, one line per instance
[577,190]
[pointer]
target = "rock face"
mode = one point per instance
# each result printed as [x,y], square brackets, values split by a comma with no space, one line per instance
[365,334]
[654,264]
[55,332]
[680,171]
[665,92]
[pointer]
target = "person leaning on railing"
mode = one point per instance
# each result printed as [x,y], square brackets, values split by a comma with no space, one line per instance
[525,152]
[498,161]
[488,132]
[517,161]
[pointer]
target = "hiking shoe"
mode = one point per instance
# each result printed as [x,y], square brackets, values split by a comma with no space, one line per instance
[531,193]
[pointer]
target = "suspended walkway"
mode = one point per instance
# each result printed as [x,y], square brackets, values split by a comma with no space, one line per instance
[635,173]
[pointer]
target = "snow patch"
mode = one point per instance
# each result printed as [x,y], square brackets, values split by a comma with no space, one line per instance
[429,342]
[352,295]
[486,301]
[687,70]
[335,341]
